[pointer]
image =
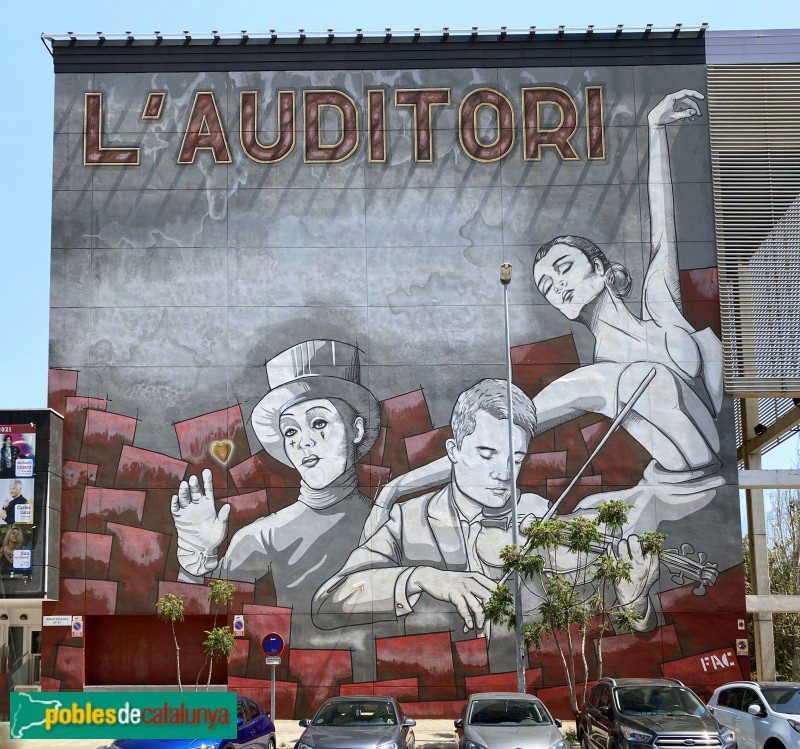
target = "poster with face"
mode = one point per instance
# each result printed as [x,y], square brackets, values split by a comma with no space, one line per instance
[17,450]
[289,368]
[15,549]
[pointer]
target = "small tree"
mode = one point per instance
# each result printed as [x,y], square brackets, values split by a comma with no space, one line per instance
[219,641]
[577,571]
[220,593]
[170,609]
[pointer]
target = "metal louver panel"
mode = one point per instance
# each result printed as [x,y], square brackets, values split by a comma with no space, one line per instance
[754,115]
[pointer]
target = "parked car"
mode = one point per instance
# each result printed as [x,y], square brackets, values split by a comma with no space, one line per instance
[358,722]
[507,720]
[255,730]
[764,715]
[641,713]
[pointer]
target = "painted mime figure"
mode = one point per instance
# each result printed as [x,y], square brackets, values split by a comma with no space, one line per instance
[320,419]
[439,553]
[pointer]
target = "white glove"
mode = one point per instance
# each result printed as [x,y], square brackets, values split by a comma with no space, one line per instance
[200,528]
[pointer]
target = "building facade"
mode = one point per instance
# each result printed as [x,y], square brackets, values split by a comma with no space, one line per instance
[277,342]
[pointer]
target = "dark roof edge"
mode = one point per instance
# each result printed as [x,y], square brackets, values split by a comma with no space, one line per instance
[388,35]
[107,53]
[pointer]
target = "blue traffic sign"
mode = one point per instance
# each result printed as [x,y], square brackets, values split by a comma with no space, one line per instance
[272,644]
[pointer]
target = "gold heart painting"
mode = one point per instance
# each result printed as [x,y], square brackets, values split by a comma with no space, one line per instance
[221,451]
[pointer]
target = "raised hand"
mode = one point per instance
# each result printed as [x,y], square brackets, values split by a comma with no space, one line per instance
[675,107]
[467,591]
[200,528]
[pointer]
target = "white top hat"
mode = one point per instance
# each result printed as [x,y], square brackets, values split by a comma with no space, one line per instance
[309,370]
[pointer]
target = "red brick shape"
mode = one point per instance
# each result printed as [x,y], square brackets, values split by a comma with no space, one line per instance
[262,471]
[237,662]
[424,448]
[137,562]
[401,689]
[80,596]
[435,710]
[402,416]
[75,478]
[145,469]
[75,408]
[85,555]
[259,690]
[633,654]
[470,658]
[621,461]
[536,365]
[711,669]
[104,436]
[372,478]
[195,596]
[69,667]
[245,508]
[502,682]
[428,657]
[101,506]
[539,467]
[319,673]
[197,435]
[60,384]
[584,487]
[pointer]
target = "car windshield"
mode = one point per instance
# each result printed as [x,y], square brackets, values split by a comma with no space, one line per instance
[507,712]
[655,700]
[356,713]
[783,699]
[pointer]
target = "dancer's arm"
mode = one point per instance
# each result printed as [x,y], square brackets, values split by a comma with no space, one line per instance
[662,293]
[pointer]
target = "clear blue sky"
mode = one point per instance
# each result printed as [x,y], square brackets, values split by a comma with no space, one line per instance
[26,127]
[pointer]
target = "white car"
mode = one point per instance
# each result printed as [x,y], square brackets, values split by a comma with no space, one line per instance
[764,715]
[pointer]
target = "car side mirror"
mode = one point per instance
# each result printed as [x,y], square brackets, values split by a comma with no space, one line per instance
[239,722]
[305,723]
[605,710]
[458,723]
[409,723]
[756,709]
[557,722]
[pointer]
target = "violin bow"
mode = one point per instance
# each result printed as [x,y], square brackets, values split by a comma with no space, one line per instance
[648,378]
[626,409]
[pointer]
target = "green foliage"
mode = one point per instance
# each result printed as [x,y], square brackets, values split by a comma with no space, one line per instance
[577,565]
[219,642]
[170,608]
[221,592]
[571,736]
[783,555]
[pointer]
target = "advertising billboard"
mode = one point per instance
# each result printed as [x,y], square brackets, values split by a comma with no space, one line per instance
[30,471]
[278,340]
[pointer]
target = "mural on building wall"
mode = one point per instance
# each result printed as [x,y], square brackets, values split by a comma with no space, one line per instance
[286,370]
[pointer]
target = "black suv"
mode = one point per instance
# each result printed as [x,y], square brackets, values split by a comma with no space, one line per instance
[642,713]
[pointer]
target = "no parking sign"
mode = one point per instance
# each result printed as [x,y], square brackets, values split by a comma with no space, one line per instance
[238,625]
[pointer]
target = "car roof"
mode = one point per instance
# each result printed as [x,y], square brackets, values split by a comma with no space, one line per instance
[767,684]
[503,695]
[631,682]
[357,697]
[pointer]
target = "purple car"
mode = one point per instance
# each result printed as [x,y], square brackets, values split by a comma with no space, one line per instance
[255,731]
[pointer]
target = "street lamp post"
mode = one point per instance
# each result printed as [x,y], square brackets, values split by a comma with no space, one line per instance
[505,280]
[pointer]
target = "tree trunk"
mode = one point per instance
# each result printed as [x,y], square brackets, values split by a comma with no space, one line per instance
[177,656]
[210,667]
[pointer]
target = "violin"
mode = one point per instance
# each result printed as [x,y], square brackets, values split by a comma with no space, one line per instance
[684,563]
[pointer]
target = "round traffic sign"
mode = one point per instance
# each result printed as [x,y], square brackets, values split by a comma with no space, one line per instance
[272,644]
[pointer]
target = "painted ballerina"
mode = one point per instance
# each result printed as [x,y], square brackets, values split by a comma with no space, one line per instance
[675,417]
